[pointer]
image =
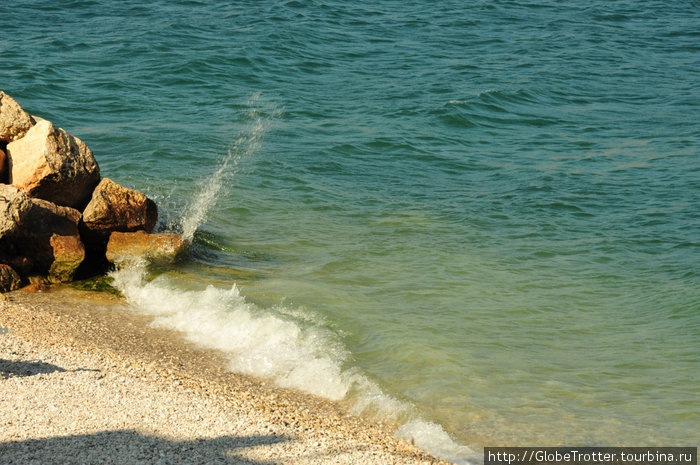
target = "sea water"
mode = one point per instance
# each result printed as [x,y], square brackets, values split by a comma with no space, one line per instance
[477,218]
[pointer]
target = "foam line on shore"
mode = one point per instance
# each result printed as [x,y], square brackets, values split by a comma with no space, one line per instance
[297,353]
[152,394]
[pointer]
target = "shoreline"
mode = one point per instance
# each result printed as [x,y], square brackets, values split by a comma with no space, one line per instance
[67,349]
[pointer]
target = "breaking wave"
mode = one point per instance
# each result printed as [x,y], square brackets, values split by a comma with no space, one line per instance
[292,347]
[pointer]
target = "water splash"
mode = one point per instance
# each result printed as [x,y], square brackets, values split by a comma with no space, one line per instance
[247,144]
[290,346]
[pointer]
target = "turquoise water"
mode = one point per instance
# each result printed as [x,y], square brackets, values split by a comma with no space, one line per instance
[480,215]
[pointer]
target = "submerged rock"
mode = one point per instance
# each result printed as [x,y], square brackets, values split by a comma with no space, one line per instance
[9,279]
[124,247]
[116,208]
[14,121]
[50,164]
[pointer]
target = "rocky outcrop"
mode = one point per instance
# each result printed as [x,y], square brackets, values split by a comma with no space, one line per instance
[14,121]
[47,178]
[48,233]
[14,205]
[117,208]
[37,284]
[3,166]
[50,164]
[125,247]
[68,254]
[9,279]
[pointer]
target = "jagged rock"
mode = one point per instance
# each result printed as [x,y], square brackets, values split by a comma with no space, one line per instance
[68,253]
[50,164]
[57,245]
[3,167]
[9,279]
[36,284]
[14,205]
[47,234]
[14,121]
[117,208]
[123,247]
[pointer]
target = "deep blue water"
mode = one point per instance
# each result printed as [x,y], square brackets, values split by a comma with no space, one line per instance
[486,210]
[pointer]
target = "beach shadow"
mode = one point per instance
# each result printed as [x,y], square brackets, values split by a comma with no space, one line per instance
[131,447]
[14,368]
[23,368]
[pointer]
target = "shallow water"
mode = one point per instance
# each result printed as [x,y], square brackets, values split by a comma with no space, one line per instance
[482,215]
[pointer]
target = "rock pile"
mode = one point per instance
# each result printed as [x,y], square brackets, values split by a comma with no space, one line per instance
[57,213]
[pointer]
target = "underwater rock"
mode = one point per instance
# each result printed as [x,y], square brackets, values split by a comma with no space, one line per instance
[130,246]
[116,208]
[50,164]
[14,121]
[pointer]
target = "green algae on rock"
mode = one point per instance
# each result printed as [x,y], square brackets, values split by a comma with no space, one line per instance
[100,283]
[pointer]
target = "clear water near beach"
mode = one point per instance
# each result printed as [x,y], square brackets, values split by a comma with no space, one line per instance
[479,219]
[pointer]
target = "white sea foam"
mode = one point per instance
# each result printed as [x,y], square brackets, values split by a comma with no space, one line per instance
[289,347]
[257,341]
[433,439]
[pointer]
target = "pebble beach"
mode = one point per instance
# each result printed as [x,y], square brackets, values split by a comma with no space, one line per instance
[84,381]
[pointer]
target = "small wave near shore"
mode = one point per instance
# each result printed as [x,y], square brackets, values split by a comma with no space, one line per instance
[290,346]
[293,347]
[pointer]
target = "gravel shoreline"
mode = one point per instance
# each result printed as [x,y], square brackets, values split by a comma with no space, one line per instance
[85,381]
